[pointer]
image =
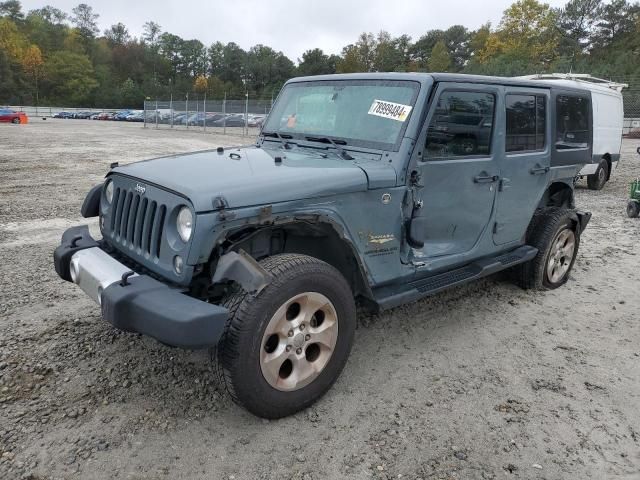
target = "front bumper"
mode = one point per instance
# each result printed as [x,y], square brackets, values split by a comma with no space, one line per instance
[137,303]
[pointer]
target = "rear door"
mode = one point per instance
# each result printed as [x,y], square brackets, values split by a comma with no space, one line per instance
[524,164]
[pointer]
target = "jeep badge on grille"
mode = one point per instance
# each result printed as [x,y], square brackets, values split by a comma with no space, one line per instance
[140,189]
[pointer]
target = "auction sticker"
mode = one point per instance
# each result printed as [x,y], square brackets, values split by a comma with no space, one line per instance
[394,111]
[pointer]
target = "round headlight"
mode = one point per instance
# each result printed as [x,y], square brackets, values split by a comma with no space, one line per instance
[108,191]
[184,224]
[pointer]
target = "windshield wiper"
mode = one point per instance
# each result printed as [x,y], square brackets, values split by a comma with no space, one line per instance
[343,153]
[285,144]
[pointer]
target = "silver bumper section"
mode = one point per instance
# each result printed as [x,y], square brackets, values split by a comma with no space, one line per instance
[93,271]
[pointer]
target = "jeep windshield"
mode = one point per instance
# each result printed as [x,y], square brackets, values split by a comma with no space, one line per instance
[364,113]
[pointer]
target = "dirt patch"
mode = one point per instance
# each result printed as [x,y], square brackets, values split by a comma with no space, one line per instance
[483,382]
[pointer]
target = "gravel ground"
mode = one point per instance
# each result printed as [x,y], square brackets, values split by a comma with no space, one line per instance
[485,381]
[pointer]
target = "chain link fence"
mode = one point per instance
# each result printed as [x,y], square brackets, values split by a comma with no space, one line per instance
[631,97]
[235,117]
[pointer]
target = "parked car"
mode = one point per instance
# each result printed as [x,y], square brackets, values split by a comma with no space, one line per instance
[137,116]
[105,116]
[595,122]
[261,252]
[229,121]
[11,116]
[212,118]
[194,119]
[63,115]
[82,115]
[121,115]
[256,120]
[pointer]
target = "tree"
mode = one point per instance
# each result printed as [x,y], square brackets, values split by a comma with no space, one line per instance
[11,40]
[32,64]
[193,58]
[527,32]
[69,77]
[85,21]
[316,62]
[266,69]
[12,9]
[50,14]
[130,94]
[359,57]
[576,22]
[616,19]
[201,84]
[8,85]
[151,33]
[439,60]
[117,34]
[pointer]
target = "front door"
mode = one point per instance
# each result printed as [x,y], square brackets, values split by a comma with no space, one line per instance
[457,172]
[524,166]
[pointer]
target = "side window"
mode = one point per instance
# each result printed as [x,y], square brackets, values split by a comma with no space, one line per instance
[572,122]
[526,122]
[461,125]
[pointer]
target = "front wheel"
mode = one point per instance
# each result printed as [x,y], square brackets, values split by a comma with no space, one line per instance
[556,235]
[15,121]
[598,180]
[284,347]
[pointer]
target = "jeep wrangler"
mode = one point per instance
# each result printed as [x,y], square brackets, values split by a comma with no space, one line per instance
[379,189]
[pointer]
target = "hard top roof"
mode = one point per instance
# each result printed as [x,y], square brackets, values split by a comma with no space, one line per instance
[438,77]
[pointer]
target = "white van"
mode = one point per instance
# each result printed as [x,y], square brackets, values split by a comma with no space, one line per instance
[608,116]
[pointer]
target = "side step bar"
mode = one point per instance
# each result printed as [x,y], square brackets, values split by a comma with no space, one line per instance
[394,295]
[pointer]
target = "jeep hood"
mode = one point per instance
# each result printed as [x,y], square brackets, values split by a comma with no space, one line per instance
[251,176]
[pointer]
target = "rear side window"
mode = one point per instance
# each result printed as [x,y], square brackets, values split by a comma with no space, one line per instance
[572,122]
[526,122]
[461,125]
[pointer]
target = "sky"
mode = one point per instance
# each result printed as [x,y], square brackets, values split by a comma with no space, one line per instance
[290,26]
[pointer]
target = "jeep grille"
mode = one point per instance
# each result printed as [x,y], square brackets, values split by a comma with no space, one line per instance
[137,222]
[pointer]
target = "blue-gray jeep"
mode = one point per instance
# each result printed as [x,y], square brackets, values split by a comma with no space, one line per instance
[378,189]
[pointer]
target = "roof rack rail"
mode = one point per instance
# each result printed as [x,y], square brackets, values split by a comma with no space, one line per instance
[578,77]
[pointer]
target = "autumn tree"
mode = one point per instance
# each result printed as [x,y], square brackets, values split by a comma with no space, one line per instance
[201,84]
[527,33]
[32,63]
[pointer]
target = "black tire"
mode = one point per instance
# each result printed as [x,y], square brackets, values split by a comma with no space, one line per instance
[238,352]
[598,180]
[633,209]
[543,233]
[15,121]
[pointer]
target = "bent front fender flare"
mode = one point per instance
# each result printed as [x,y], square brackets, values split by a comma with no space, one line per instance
[243,269]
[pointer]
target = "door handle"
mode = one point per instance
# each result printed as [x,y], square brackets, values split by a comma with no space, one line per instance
[538,170]
[484,178]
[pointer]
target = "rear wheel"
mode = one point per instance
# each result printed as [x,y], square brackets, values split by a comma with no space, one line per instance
[16,120]
[284,347]
[556,236]
[598,180]
[633,209]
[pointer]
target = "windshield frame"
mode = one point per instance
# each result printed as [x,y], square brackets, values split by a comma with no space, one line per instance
[350,142]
